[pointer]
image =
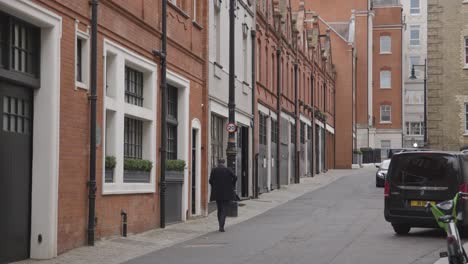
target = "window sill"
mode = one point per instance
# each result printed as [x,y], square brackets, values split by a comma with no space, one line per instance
[385,122]
[178,9]
[385,53]
[198,26]
[385,88]
[465,2]
[128,188]
[466,66]
[81,85]
[466,132]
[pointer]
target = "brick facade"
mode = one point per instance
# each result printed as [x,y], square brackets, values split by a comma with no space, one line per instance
[136,26]
[447,74]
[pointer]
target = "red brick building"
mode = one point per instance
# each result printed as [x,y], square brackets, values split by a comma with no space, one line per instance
[291,122]
[47,76]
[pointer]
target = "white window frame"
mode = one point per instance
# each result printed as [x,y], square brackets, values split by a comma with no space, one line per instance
[418,8]
[385,85]
[381,114]
[414,98]
[418,28]
[85,57]
[382,40]
[115,109]
[410,131]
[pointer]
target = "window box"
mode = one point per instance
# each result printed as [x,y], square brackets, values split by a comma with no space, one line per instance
[135,176]
[175,176]
[109,175]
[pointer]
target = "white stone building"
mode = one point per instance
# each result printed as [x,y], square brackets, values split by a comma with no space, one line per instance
[219,86]
[414,52]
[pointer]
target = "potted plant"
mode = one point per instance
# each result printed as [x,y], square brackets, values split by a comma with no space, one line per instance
[137,170]
[175,168]
[110,166]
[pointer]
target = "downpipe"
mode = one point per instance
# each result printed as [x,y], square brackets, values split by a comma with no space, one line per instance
[92,147]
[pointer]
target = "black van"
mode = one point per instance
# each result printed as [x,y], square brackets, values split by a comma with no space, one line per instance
[415,178]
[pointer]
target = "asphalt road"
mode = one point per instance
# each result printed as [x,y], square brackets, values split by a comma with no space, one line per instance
[341,223]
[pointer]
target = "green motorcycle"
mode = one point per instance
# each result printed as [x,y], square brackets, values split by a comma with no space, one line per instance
[447,216]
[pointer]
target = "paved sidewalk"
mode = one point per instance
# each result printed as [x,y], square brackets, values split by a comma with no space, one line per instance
[119,249]
[445,260]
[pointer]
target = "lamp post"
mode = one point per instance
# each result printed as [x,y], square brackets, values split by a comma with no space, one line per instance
[413,77]
[231,151]
[277,20]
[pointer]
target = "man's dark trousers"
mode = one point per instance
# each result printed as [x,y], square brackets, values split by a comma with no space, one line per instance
[222,206]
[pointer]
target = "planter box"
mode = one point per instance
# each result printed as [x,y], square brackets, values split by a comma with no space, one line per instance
[132,176]
[109,175]
[173,202]
[357,159]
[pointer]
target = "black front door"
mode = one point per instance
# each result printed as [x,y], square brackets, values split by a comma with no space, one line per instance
[15,171]
[194,171]
[245,161]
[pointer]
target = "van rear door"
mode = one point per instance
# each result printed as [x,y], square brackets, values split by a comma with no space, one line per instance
[420,177]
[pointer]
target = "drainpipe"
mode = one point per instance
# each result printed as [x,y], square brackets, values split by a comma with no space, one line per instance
[334,126]
[254,81]
[296,112]
[92,148]
[313,123]
[162,56]
[325,128]
[278,110]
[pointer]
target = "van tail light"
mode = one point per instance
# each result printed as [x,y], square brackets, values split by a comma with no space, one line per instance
[463,187]
[386,189]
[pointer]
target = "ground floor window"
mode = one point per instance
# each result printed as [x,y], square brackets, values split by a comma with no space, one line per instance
[385,146]
[217,139]
[133,138]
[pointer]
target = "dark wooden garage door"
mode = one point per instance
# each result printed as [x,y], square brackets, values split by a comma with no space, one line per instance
[15,171]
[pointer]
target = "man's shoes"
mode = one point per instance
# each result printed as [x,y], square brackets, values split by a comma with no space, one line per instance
[222,230]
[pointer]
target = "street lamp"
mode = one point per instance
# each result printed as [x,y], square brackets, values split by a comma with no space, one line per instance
[231,151]
[413,77]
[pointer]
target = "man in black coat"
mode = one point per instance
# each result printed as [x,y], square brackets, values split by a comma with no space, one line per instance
[222,181]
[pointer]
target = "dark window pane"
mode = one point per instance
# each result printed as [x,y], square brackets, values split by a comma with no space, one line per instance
[133,138]
[172,102]
[16,116]
[133,86]
[24,47]
[79,69]
[217,139]
[293,133]
[302,132]
[274,131]
[171,142]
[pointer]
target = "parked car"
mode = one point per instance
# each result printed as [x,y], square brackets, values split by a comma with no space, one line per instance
[391,152]
[381,173]
[415,178]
